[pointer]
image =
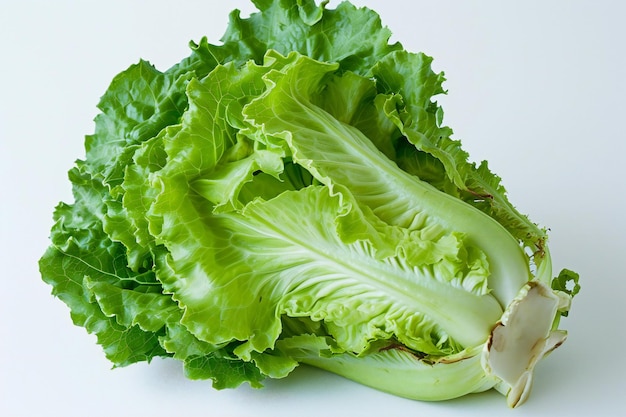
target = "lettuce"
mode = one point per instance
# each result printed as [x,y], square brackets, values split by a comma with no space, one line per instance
[292,196]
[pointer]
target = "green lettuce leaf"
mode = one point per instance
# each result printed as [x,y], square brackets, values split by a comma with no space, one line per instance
[337,153]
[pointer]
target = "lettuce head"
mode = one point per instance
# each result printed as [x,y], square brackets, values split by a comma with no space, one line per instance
[291,196]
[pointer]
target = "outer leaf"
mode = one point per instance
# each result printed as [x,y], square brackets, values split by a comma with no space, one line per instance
[420,121]
[410,76]
[203,360]
[289,256]
[336,153]
[486,192]
[138,104]
[396,370]
[353,37]
[87,256]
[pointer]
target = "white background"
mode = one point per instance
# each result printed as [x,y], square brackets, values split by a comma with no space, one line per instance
[535,87]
